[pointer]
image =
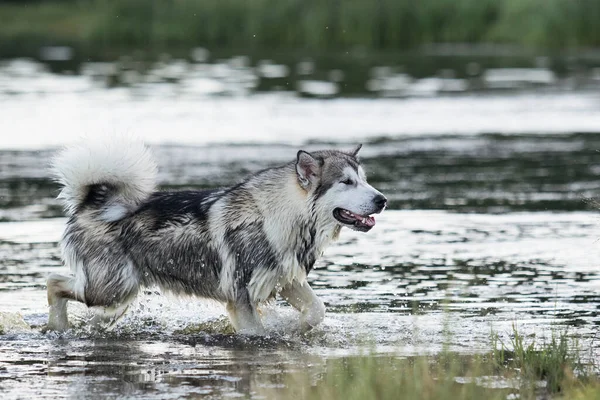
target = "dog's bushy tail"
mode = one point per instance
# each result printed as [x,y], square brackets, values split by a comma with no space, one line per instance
[111,176]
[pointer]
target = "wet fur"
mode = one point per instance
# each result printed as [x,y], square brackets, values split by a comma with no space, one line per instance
[240,245]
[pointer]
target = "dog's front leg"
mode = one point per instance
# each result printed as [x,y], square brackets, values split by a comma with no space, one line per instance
[302,297]
[244,316]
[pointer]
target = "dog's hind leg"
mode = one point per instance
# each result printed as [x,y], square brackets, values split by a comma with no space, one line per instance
[60,290]
[303,298]
[244,316]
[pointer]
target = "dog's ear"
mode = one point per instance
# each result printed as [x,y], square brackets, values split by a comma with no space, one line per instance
[308,168]
[355,150]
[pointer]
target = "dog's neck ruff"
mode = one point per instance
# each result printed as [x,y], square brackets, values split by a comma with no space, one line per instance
[296,229]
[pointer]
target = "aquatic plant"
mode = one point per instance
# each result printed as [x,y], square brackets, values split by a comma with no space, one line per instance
[520,368]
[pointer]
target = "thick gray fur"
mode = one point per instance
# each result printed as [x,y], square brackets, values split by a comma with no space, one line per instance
[240,245]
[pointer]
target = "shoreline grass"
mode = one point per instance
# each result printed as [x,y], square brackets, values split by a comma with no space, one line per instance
[520,369]
[383,25]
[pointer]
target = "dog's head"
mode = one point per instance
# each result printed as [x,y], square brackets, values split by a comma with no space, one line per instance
[337,183]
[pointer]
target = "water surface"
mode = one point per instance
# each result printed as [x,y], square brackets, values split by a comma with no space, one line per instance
[492,222]
[419,280]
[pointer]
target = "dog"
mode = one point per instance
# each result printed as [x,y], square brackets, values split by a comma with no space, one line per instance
[240,245]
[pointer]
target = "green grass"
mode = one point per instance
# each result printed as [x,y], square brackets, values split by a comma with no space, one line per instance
[516,367]
[553,361]
[24,28]
[316,25]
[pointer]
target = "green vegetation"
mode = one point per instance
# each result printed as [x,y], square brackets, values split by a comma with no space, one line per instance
[553,362]
[100,26]
[521,367]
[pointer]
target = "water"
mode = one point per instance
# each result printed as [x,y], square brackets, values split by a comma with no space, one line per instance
[394,289]
[491,223]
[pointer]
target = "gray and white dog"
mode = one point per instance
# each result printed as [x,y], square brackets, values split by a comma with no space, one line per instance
[240,245]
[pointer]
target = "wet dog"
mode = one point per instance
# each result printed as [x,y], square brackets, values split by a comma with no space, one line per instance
[239,245]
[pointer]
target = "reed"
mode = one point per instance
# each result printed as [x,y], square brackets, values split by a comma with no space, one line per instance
[519,368]
[390,25]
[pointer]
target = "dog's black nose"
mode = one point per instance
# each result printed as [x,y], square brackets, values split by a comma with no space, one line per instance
[380,201]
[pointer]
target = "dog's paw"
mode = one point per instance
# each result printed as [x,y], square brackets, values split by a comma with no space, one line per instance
[48,328]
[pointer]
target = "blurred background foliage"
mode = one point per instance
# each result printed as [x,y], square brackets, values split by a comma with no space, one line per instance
[104,27]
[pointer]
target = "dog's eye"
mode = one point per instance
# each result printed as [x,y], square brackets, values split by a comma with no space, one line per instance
[347,182]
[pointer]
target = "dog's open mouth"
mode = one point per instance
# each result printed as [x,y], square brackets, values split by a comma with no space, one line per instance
[355,221]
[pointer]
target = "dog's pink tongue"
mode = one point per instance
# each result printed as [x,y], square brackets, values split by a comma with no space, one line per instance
[370,221]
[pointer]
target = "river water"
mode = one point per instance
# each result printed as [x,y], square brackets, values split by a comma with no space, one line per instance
[492,223]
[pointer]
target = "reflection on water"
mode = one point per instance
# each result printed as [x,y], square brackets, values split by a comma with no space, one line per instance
[401,75]
[147,366]
[146,369]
